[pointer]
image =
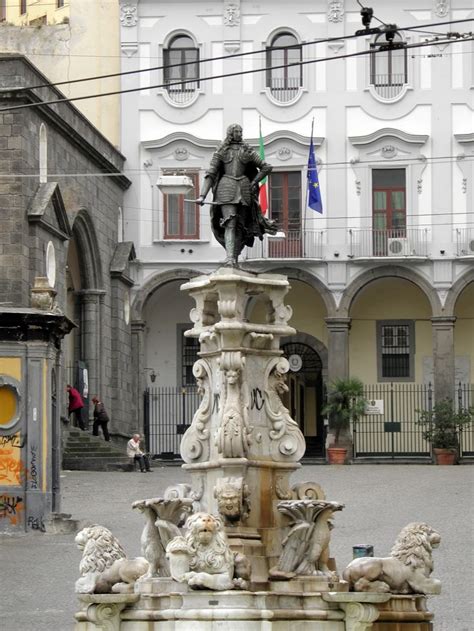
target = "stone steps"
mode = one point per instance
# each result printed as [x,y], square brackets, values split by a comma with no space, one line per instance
[84,452]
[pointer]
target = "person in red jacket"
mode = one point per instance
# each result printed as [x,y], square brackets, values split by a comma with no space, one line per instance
[75,406]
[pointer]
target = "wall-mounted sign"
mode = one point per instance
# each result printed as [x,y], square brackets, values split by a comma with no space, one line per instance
[374,406]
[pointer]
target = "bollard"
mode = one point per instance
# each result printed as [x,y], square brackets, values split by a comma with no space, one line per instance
[362,550]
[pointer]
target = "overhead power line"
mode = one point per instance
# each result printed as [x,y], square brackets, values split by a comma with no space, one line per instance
[213,77]
[220,58]
[326,166]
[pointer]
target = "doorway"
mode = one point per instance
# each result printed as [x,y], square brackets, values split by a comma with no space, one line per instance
[305,396]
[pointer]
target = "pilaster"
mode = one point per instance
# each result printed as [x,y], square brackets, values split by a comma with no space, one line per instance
[443,356]
[338,347]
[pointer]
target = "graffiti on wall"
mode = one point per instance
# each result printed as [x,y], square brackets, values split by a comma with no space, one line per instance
[12,468]
[11,508]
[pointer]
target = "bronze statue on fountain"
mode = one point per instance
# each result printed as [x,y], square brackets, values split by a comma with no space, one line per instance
[234,175]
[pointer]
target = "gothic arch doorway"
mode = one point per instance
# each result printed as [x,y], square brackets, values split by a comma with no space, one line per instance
[305,396]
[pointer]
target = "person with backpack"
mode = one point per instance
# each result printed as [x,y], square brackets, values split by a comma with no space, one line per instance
[101,418]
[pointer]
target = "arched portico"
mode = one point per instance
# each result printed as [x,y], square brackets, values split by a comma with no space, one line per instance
[388,271]
[310,279]
[157,281]
[456,290]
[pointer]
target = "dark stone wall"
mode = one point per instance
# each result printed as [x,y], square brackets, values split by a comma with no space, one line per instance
[74,147]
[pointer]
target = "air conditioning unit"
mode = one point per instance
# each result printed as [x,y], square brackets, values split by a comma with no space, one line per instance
[398,247]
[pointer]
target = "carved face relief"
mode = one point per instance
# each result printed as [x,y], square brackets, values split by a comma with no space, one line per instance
[232,376]
[231,15]
[128,16]
[229,503]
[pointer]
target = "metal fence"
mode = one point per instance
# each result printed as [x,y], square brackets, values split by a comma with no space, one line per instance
[168,413]
[390,430]
[465,400]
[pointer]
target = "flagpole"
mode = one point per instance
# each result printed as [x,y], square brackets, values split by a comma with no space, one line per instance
[306,197]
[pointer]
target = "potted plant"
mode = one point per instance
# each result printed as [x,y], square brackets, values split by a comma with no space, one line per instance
[441,427]
[345,403]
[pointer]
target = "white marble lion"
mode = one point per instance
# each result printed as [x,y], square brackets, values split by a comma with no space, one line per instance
[104,566]
[203,558]
[406,571]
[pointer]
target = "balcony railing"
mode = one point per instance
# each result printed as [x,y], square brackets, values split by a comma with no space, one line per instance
[388,86]
[284,89]
[394,243]
[182,93]
[296,245]
[464,241]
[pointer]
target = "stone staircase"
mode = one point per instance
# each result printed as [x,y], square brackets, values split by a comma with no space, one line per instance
[84,452]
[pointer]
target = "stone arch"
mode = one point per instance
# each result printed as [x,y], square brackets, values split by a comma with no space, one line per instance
[314,343]
[453,294]
[388,271]
[85,236]
[154,283]
[313,281]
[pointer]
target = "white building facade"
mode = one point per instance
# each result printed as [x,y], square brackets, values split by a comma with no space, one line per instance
[383,279]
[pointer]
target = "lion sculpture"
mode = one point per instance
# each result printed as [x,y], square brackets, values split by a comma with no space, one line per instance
[104,566]
[406,571]
[203,558]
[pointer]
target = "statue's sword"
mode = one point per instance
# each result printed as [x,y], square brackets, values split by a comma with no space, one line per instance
[198,201]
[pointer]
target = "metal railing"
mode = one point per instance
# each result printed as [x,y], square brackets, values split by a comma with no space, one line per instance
[168,412]
[284,89]
[465,400]
[398,242]
[297,244]
[393,433]
[183,93]
[388,86]
[464,241]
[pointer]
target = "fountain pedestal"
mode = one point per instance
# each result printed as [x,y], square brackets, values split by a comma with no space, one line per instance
[240,452]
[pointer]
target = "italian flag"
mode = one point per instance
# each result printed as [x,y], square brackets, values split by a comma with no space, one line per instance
[262,197]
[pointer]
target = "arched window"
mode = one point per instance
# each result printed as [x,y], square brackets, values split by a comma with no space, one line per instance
[181,60]
[43,153]
[388,67]
[284,82]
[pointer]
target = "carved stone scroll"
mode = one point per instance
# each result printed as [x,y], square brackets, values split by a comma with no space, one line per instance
[286,439]
[195,445]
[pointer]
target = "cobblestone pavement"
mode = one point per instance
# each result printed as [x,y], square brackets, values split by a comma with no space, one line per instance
[38,571]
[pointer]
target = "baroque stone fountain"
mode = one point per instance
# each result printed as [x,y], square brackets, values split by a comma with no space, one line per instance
[240,547]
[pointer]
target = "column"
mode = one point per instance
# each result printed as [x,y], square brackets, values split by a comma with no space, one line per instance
[443,356]
[338,347]
[138,373]
[91,338]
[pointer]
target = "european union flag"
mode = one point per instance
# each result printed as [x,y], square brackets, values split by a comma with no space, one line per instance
[314,192]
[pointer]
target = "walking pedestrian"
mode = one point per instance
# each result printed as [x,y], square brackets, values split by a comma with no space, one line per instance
[101,418]
[76,405]
[134,451]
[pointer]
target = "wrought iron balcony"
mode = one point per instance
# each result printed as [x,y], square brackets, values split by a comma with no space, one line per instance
[182,93]
[402,242]
[297,244]
[388,86]
[284,89]
[464,241]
